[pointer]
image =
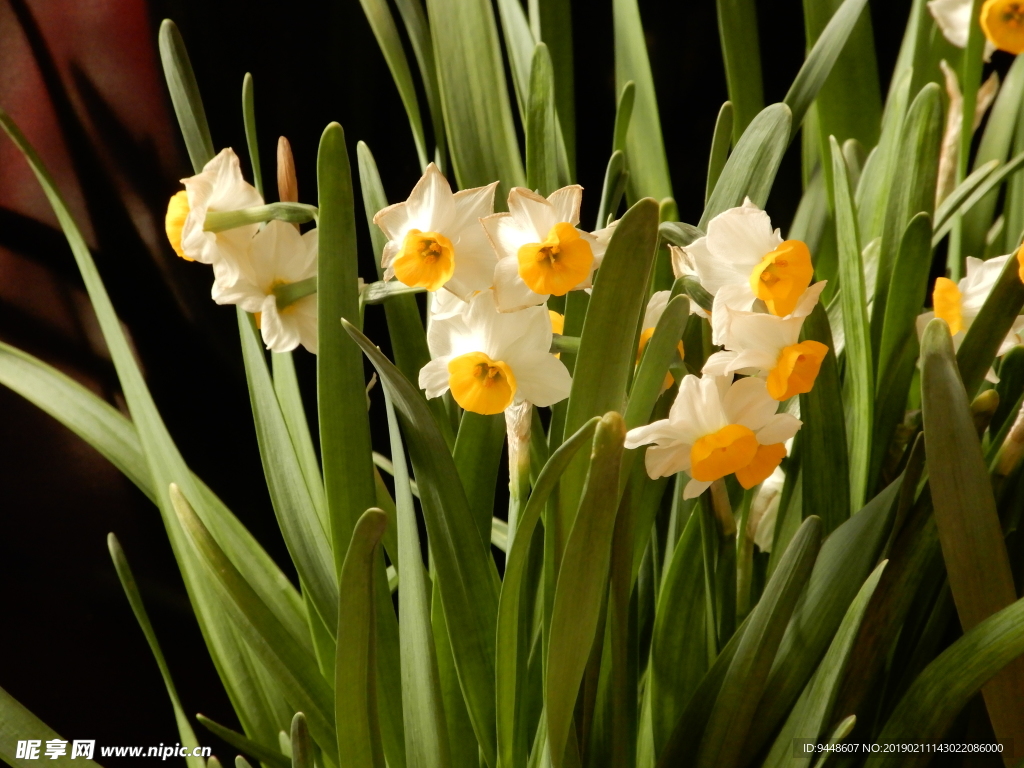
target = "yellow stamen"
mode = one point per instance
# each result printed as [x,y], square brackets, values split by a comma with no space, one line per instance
[481,385]
[427,260]
[946,302]
[645,336]
[177,212]
[557,265]
[782,277]
[259,319]
[721,453]
[557,326]
[796,369]
[1002,21]
[1020,261]
[767,458]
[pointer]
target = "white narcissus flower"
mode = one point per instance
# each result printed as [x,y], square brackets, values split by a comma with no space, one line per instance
[278,255]
[741,249]
[764,511]
[540,250]
[682,264]
[716,428]
[490,360]
[758,343]
[219,187]
[435,239]
[655,309]
[953,18]
[959,303]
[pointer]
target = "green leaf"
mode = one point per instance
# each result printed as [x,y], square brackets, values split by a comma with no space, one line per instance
[965,512]
[846,559]
[426,732]
[608,342]
[465,572]
[990,327]
[509,676]
[188,104]
[249,119]
[541,127]
[477,454]
[898,351]
[814,710]
[341,388]
[745,680]
[131,591]
[16,723]
[645,148]
[405,327]
[658,354]
[678,233]
[623,116]
[828,62]
[825,464]
[955,199]
[979,191]
[520,46]
[384,29]
[296,213]
[944,688]
[292,665]
[473,92]
[679,653]
[302,747]
[859,382]
[580,589]
[238,741]
[304,535]
[751,168]
[913,190]
[552,23]
[741,52]
[355,680]
[615,177]
[415,20]
[720,142]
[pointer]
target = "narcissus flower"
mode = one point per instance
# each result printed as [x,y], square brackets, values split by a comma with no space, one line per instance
[953,18]
[219,187]
[758,343]
[715,428]
[741,249]
[490,360]
[655,309]
[278,255]
[540,250]
[1020,261]
[959,303]
[435,239]
[1002,21]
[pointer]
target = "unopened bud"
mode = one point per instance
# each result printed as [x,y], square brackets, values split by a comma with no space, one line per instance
[287,183]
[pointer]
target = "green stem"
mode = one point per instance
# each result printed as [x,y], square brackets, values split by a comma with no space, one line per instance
[296,213]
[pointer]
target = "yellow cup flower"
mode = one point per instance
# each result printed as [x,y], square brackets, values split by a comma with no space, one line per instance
[946,299]
[796,369]
[722,453]
[558,264]
[782,276]
[174,221]
[1002,21]
[481,385]
[426,260]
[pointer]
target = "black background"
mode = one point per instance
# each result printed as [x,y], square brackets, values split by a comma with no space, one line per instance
[70,649]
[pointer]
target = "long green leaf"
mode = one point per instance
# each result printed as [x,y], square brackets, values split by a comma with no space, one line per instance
[293,666]
[508,676]
[355,681]
[477,455]
[719,154]
[645,148]
[741,51]
[541,127]
[965,189]
[265,755]
[188,104]
[751,168]
[477,112]
[341,401]
[17,723]
[858,401]
[937,696]
[249,119]
[426,732]
[131,591]
[970,192]
[738,698]
[384,29]
[965,513]
[466,574]
[414,17]
[520,46]
[551,21]
[581,584]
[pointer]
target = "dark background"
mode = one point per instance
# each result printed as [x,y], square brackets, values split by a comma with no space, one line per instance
[83,81]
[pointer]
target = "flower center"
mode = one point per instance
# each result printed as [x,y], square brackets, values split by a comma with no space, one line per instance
[1002,21]
[796,369]
[557,265]
[481,385]
[645,336]
[427,260]
[946,302]
[767,458]
[721,453]
[782,276]
[174,221]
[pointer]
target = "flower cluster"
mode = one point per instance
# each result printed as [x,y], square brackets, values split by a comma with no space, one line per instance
[490,276]
[250,263]
[1002,21]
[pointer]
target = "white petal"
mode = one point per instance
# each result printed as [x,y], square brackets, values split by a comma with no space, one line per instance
[663,461]
[510,292]
[976,286]
[505,236]
[599,243]
[431,203]
[565,203]
[720,364]
[695,488]
[532,213]
[697,410]
[434,377]
[778,429]
[279,334]
[303,313]
[742,236]
[682,260]
[809,299]
[748,403]
[656,308]
[953,18]
[660,432]
[542,379]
